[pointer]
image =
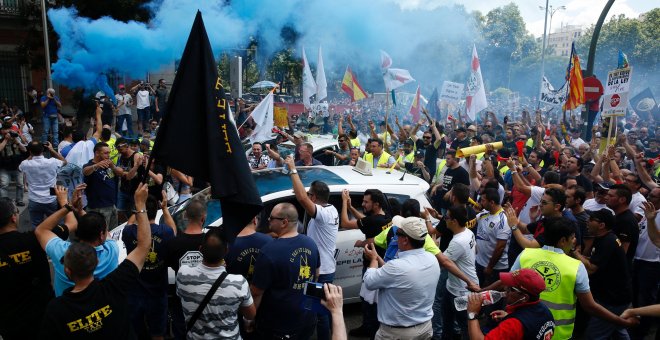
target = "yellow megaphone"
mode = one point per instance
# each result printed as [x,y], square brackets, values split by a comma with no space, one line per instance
[477,149]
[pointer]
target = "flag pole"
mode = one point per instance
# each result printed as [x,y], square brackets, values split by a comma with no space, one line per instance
[387,112]
[568,81]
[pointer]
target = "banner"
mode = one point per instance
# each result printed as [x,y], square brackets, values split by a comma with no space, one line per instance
[617,87]
[309,85]
[280,115]
[551,96]
[475,99]
[451,92]
[263,117]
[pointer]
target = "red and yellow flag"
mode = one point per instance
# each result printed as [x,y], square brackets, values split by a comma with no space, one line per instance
[575,96]
[351,86]
[414,107]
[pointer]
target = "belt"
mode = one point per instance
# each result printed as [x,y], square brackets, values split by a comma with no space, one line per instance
[405,326]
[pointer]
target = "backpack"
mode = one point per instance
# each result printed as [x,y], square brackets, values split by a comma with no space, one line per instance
[392,246]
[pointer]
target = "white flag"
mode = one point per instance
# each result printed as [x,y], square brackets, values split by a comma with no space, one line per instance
[551,96]
[263,117]
[309,86]
[396,77]
[385,61]
[475,100]
[321,84]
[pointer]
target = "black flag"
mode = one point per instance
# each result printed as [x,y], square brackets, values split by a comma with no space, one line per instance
[432,106]
[198,137]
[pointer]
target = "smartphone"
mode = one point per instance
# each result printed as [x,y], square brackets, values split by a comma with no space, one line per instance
[52,192]
[314,289]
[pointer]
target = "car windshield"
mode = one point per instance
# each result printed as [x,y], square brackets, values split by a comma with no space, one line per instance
[268,182]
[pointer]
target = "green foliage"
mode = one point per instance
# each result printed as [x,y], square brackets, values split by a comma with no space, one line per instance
[638,39]
[285,68]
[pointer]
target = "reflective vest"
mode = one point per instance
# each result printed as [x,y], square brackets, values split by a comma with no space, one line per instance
[438,170]
[369,158]
[560,274]
[355,142]
[409,158]
[114,153]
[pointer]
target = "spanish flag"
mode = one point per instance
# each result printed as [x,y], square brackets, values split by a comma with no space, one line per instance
[351,87]
[575,96]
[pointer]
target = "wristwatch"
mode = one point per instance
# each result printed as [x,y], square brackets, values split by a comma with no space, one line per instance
[294,171]
[514,228]
[472,316]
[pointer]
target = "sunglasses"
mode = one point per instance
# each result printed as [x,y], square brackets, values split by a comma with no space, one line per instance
[276,218]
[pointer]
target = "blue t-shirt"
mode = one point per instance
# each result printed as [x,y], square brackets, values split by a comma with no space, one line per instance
[101,188]
[153,277]
[51,107]
[107,254]
[243,254]
[282,268]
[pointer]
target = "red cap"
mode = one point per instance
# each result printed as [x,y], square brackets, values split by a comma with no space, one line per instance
[121,86]
[526,279]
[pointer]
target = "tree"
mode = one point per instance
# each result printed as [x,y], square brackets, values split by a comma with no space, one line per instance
[639,39]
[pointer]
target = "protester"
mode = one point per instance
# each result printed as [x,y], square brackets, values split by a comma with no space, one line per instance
[525,316]
[280,273]
[41,176]
[51,104]
[96,307]
[12,153]
[406,285]
[230,297]
[101,178]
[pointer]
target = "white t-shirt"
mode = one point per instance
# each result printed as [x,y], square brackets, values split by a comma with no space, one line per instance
[592,205]
[41,175]
[462,251]
[646,250]
[533,200]
[577,142]
[323,230]
[636,204]
[126,98]
[142,98]
[490,229]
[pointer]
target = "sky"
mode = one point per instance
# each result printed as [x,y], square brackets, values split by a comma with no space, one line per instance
[578,12]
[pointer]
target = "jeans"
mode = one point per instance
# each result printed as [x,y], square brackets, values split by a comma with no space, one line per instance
[144,115]
[323,320]
[39,211]
[437,303]
[601,329]
[50,126]
[646,282]
[109,214]
[129,125]
[5,178]
[449,315]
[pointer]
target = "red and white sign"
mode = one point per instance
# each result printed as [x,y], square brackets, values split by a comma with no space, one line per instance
[617,87]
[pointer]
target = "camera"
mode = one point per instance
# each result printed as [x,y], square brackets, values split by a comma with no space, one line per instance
[314,289]
[13,134]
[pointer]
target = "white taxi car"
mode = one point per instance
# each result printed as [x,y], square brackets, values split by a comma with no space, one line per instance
[275,187]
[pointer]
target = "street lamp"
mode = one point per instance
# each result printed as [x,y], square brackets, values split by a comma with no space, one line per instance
[44,23]
[552,11]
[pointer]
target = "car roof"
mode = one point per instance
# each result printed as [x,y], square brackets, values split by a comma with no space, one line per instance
[317,141]
[273,181]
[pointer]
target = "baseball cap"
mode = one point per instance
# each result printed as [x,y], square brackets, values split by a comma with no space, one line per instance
[604,186]
[414,227]
[460,129]
[419,153]
[121,86]
[472,128]
[299,134]
[526,279]
[409,142]
[396,220]
[603,215]
[145,142]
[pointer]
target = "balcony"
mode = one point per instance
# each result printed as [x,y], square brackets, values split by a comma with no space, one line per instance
[13,7]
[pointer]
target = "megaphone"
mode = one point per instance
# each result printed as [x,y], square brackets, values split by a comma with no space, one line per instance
[555,154]
[471,150]
[520,145]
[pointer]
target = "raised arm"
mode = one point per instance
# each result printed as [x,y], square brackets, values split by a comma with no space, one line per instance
[44,231]
[98,122]
[346,223]
[299,189]
[139,254]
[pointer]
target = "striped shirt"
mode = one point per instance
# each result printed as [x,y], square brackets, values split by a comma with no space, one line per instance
[219,320]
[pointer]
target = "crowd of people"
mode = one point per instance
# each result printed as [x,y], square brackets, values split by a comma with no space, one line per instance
[546,232]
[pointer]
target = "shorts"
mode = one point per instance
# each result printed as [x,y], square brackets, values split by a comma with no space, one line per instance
[152,309]
[125,201]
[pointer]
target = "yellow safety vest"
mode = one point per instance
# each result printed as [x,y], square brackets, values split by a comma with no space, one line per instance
[114,153]
[560,274]
[355,142]
[369,157]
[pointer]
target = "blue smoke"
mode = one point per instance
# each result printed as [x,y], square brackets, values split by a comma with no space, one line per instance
[350,31]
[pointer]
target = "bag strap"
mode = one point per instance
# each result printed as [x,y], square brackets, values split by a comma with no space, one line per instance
[205,301]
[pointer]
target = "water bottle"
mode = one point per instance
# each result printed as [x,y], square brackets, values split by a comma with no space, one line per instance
[490,297]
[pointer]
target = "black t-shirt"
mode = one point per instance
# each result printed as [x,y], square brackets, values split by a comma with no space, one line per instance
[611,283]
[25,287]
[373,225]
[98,312]
[184,250]
[459,144]
[126,163]
[155,189]
[430,156]
[243,253]
[447,235]
[452,176]
[582,221]
[627,230]
[107,113]
[153,277]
